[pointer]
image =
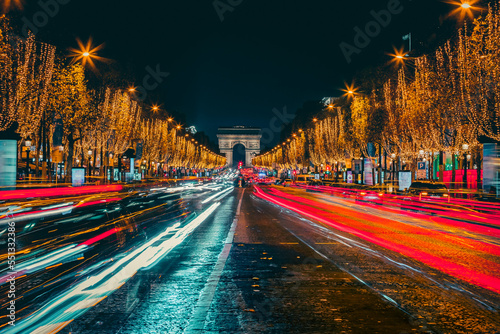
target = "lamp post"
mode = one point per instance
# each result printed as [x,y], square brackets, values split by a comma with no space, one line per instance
[90,157]
[111,167]
[27,144]
[61,149]
[393,157]
[465,147]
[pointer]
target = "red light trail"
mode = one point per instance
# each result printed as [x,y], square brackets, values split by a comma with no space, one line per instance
[464,258]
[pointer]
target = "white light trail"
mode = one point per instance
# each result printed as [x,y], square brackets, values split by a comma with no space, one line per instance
[72,304]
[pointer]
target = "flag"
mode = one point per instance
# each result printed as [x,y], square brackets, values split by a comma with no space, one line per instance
[311,164]
[406,37]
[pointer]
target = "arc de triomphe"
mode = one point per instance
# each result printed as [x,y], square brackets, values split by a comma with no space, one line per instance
[248,137]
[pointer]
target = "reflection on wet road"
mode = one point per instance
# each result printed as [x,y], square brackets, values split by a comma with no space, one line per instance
[424,264]
[210,258]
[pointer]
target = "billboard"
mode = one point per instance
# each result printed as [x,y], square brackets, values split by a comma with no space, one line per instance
[78,177]
[8,163]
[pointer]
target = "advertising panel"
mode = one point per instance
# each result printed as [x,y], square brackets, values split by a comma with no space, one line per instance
[8,163]
[78,177]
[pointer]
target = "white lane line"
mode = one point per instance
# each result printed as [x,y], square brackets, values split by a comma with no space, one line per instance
[200,313]
[239,204]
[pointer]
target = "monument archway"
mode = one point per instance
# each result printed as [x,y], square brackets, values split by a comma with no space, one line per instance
[232,136]
[239,154]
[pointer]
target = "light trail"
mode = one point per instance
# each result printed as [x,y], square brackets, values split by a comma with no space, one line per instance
[57,192]
[216,195]
[71,304]
[435,249]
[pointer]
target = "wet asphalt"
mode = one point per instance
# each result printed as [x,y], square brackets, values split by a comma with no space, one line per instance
[253,267]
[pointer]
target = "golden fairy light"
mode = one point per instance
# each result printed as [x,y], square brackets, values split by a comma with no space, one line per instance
[12,4]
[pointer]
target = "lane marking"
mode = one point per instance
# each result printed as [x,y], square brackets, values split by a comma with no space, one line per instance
[239,204]
[200,313]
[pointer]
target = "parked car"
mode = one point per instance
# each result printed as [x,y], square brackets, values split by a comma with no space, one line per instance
[314,183]
[426,190]
[303,179]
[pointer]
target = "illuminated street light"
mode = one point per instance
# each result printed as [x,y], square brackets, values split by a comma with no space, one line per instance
[349,90]
[464,8]
[399,56]
[86,53]
[315,119]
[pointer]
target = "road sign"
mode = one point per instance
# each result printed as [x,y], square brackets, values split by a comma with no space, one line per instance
[57,155]
[421,170]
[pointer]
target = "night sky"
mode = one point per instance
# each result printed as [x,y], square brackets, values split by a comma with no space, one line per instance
[263,55]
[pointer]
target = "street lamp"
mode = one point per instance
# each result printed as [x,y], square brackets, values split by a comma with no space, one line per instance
[465,147]
[27,144]
[464,8]
[90,156]
[393,157]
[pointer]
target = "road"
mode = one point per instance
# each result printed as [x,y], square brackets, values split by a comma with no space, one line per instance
[261,259]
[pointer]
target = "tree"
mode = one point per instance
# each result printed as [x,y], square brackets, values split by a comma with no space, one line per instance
[69,100]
